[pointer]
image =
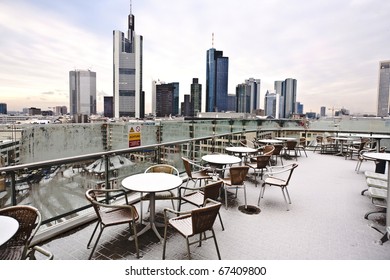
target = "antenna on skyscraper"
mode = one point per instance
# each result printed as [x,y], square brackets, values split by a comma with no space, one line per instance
[212,40]
[131,7]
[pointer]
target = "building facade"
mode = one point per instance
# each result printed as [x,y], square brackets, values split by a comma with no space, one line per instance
[167,96]
[3,108]
[217,74]
[288,98]
[82,92]
[243,98]
[127,65]
[383,106]
[254,88]
[270,104]
[196,97]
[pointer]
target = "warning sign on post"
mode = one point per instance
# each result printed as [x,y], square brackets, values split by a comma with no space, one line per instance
[135,136]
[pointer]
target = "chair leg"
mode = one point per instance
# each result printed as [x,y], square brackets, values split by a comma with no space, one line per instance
[374,212]
[97,240]
[188,248]
[165,242]
[135,238]
[261,194]
[93,233]
[220,219]
[216,244]
[226,206]
[245,197]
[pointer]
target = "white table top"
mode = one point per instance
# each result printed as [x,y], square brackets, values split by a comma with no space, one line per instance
[241,149]
[8,227]
[152,182]
[221,159]
[270,141]
[380,156]
[286,138]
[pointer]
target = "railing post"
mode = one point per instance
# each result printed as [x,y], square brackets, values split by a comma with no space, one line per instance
[13,188]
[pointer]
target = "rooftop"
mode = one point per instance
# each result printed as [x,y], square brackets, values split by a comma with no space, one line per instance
[325,222]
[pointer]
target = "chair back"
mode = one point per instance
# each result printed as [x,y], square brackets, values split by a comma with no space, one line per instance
[268,150]
[187,166]
[263,161]
[292,168]
[238,174]
[302,142]
[162,168]
[91,196]
[29,219]
[203,218]
[277,149]
[212,190]
[291,144]
[320,139]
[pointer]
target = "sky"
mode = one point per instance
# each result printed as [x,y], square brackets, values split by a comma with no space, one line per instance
[331,47]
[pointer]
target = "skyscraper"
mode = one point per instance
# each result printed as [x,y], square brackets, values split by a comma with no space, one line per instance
[196,97]
[167,96]
[384,89]
[254,88]
[288,97]
[243,98]
[217,70]
[82,92]
[127,64]
[270,104]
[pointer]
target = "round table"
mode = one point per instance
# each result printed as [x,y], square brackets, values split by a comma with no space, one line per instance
[9,226]
[221,159]
[151,183]
[270,141]
[384,157]
[241,150]
[286,138]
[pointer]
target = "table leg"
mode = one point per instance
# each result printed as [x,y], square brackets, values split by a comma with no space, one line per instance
[152,219]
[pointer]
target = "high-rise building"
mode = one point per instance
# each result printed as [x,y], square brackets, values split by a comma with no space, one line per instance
[232,103]
[186,106]
[217,70]
[196,97]
[243,96]
[127,64]
[288,97]
[279,99]
[166,95]
[384,89]
[254,88]
[108,106]
[82,92]
[270,104]
[3,108]
[322,111]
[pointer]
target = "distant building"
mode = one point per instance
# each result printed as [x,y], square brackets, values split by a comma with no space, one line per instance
[243,97]
[196,97]
[270,104]
[384,89]
[34,111]
[232,103]
[299,108]
[60,110]
[323,111]
[108,106]
[186,106]
[254,91]
[3,108]
[289,96]
[217,74]
[166,96]
[82,92]
[127,65]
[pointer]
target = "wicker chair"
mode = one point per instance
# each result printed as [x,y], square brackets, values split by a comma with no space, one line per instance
[277,153]
[259,166]
[111,215]
[282,183]
[195,176]
[199,196]
[235,181]
[290,145]
[20,247]
[195,222]
[168,195]
[301,146]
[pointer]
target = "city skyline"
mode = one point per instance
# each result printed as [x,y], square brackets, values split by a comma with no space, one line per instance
[332,48]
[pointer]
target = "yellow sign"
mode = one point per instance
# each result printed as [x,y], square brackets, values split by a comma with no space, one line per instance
[135,136]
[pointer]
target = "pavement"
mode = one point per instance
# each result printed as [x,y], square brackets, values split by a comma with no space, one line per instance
[325,222]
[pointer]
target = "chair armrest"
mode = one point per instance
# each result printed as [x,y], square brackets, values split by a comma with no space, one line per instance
[271,170]
[47,254]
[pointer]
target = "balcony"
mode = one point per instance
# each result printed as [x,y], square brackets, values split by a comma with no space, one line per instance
[325,221]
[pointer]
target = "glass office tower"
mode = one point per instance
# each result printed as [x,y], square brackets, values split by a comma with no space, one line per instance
[216,81]
[127,65]
[82,92]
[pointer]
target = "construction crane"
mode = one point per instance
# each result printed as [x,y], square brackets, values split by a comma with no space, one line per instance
[333,109]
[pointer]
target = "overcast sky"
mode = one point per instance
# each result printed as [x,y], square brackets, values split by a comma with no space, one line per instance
[332,47]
